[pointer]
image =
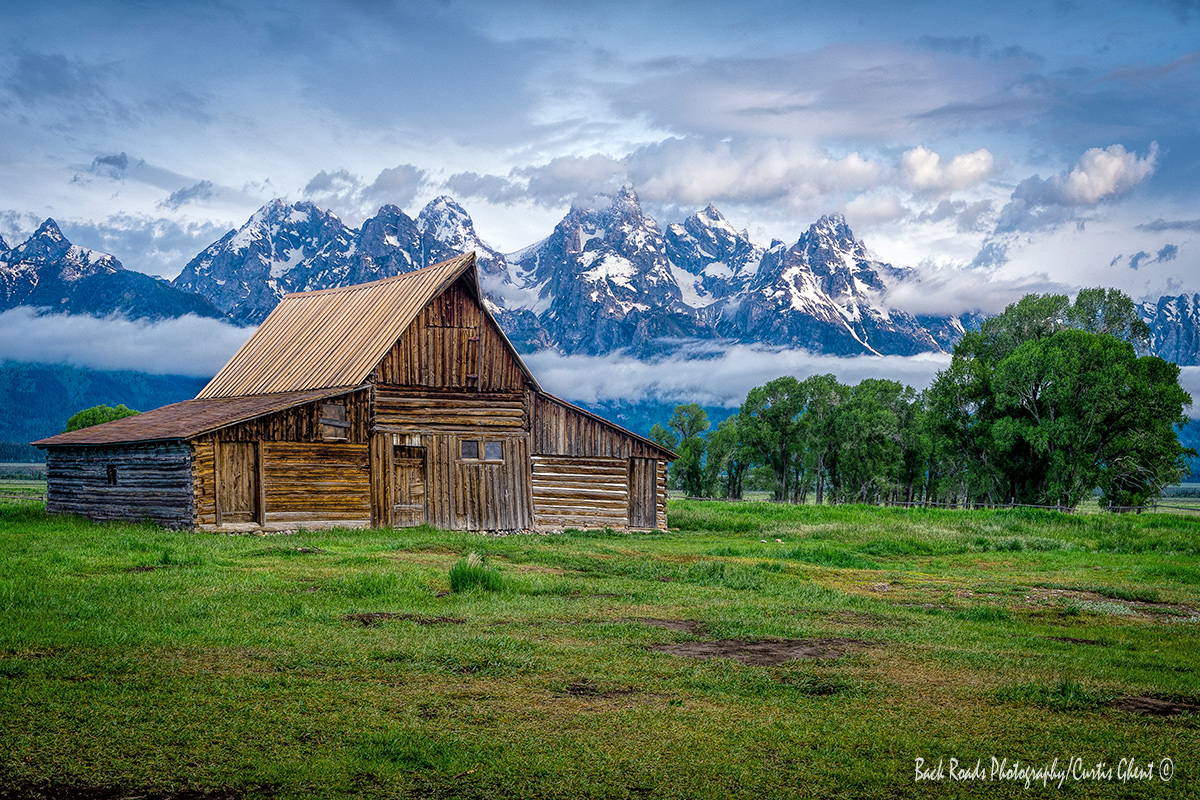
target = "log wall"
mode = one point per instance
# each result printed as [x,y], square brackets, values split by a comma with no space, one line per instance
[326,483]
[580,492]
[132,482]
[401,410]
[452,344]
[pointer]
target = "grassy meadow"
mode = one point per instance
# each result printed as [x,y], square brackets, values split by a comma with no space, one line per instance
[753,651]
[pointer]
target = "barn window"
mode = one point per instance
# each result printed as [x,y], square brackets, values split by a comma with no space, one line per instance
[493,451]
[334,426]
[111,474]
[470,448]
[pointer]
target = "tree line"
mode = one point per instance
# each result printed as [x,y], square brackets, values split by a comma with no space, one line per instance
[1044,404]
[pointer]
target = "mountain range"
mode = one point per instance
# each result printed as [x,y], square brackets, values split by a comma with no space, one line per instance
[607,278]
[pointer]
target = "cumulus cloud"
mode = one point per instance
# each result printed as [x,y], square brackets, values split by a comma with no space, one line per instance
[1098,176]
[692,171]
[154,245]
[353,198]
[968,217]
[949,289]
[202,190]
[871,209]
[922,170]
[190,345]
[714,378]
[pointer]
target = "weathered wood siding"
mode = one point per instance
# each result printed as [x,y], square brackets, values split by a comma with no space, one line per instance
[661,497]
[327,483]
[132,482]
[204,483]
[559,430]
[300,424]
[575,492]
[643,477]
[401,410]
[452,344]
[324,483]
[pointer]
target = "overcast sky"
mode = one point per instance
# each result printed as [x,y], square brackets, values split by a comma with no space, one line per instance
[999,148]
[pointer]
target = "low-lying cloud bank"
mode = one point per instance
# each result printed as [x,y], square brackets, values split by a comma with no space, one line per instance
[190,345]
[714,377]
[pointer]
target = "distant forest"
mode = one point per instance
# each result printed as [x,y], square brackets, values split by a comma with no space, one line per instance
[40,398]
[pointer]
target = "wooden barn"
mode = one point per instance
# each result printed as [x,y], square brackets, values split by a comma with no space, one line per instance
[391,403]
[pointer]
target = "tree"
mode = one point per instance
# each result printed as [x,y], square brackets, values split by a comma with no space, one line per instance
[1081,410]
[818,439]
[768,421]
[727,460]
[1112,312]
[687,422]
[97,415]
[997,442]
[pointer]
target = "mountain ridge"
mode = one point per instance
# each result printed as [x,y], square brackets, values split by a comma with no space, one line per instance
[606,279]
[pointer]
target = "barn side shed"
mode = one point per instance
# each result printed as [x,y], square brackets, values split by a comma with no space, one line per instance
[392,403]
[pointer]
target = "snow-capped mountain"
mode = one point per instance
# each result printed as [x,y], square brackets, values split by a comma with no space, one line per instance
[607,278]
[282,248]
[710,259]
[602,281]
[1174,328]
[47,271]
[825,293]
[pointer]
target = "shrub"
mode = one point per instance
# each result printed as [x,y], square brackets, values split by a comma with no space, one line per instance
[473,573]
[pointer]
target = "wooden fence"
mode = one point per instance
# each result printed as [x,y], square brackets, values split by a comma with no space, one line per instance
[1154,506]
[39,497]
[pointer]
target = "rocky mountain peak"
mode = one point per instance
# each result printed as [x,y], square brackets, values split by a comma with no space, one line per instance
[45,245]
[446,220]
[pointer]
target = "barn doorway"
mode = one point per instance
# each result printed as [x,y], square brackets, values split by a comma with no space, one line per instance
[408,501]
[643,496]
[237,482]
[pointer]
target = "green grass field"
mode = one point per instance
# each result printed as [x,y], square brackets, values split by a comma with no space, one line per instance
[139,662]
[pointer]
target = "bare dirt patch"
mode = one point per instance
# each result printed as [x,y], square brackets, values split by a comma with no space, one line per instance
[765,653]
[1153,706]
[76,791]
[585,688]
[372,618]
[681,625]
[1073,640]
[1094,600]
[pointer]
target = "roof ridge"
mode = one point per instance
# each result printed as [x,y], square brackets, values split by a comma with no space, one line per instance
[369,284]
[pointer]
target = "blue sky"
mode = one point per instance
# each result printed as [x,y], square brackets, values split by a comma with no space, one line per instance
[998,148]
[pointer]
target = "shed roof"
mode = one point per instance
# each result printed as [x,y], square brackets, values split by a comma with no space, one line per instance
[335,337]
[189,418]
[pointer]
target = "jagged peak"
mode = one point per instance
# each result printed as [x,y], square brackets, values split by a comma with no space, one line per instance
[832,225]
[49,231]
[46,243]
[441,210]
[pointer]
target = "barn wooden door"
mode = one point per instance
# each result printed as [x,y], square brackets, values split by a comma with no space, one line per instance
[237,482]
[408,502]
[642,492]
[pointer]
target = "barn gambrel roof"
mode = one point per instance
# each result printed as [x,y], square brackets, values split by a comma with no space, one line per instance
[336,337]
